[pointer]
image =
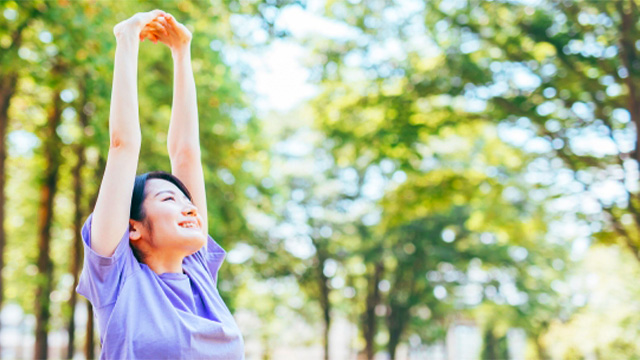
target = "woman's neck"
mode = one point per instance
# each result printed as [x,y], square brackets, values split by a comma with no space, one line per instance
[170,263]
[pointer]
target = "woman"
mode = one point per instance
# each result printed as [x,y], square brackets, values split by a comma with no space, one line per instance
[150,268]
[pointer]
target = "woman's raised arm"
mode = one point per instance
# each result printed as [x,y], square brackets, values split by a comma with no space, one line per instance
[183,140]
[111,214]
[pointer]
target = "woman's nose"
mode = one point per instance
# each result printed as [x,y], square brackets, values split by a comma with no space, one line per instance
[190,209]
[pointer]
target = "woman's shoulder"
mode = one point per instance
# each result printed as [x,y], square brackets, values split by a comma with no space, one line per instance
[210,257]
[103,277]
[122,252]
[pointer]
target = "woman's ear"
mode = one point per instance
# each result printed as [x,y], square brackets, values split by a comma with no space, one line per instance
[135,230]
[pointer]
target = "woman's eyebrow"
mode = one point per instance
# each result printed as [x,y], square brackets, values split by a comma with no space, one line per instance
[165,191]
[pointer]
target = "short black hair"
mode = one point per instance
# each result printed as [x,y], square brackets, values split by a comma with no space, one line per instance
[137,211]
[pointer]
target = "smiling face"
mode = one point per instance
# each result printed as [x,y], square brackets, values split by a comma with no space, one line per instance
[171,224]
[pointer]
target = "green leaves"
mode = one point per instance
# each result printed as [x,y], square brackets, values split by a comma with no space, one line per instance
[75,39]
[447,158]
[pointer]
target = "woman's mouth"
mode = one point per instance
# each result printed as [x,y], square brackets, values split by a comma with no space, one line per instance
[188,224]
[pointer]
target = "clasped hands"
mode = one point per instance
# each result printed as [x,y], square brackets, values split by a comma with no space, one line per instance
[155,25]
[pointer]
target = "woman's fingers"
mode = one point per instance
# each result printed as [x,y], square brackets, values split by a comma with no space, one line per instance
[172,22]
[151,36]
[157,25]
[146,17]
[136,23]
[162,21]
[182,33]
[170,19]
[159,28]
[166,29]
[145,35]
[163,25]
[154,30]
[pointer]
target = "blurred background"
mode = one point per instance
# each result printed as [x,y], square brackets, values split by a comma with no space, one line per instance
[392,179]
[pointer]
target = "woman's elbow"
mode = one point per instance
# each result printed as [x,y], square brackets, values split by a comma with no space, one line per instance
[185,154]
[120,142]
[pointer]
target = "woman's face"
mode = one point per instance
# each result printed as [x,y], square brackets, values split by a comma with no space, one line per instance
[172,222]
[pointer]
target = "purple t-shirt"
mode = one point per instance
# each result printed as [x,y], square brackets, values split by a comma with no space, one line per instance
[143,315]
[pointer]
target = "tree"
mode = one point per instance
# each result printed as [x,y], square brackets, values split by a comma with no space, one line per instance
[80,212]
[8,82]
[392,96]
[48,188]
[566,72]
[78,36]
[303,245]
[607,326]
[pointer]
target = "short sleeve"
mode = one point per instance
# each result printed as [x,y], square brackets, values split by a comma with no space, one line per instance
[103,276]
[211,256]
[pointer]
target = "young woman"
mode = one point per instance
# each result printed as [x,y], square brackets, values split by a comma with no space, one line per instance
[150,268]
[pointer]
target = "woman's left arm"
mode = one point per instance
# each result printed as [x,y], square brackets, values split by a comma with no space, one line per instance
[183,141]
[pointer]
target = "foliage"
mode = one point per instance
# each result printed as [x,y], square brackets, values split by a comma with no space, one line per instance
[76,38]
[430,182]
[607,325]
[566,72]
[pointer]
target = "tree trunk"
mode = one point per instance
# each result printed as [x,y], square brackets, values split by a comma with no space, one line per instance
[89,346]
[628,57]
[8,83]
[369,327]
[396,322]
[76,256]
[7,89]
[324,303]
[400,306]
[48,189]
[266,347]
[541,349]
[494,347]
[489,345]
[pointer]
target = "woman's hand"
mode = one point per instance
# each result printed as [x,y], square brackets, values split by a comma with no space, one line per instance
[133,26]
[168,31]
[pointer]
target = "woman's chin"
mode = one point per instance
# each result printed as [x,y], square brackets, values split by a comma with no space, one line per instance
[195,242]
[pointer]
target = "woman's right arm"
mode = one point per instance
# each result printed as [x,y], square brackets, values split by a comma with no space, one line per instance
[111,213]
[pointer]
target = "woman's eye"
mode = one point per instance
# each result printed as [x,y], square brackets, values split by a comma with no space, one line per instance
[169,198]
